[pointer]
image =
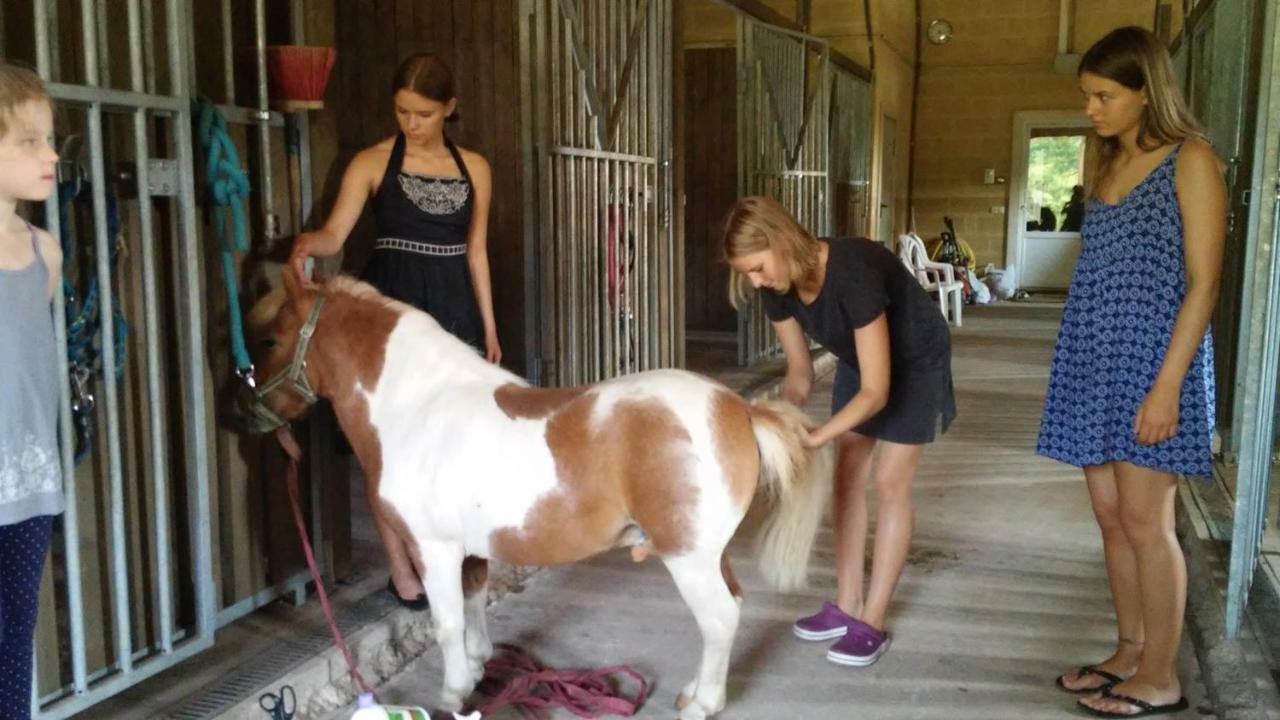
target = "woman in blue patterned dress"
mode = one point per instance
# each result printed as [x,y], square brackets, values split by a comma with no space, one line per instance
[1130,396]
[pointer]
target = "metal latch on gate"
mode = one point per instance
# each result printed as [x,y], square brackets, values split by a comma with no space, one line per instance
[162,178]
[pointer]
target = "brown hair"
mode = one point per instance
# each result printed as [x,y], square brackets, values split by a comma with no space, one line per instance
[18,86]
[427,75]
[1136,59]
[758,223]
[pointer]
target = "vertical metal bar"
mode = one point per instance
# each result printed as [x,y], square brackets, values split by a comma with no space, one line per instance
[602,295]
[569,242]
[43,61]
[675,241]
[530,268]
[266,179]
[605,239]
[300,124]
[592,311]
[71,511]
[106,295]
[542,134]
[228,55]
[103,49]
[638,310]
[743,104]
[149,47]
[191,311]
[155,389]
[1259,339]
[89,21]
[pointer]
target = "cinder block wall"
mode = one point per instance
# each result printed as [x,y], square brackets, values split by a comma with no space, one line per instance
[1000,61]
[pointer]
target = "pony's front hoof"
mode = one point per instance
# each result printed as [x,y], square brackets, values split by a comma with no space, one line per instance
[692,711]
[450,702]
[686,695]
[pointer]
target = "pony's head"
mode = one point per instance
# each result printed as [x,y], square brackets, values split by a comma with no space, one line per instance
[279,332]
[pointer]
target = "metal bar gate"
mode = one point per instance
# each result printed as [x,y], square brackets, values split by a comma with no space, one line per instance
[600,72]
[783,117]
[134,584]
[850,154]
[1259,338]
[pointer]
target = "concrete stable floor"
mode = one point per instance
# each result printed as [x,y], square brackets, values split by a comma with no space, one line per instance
[1004,587]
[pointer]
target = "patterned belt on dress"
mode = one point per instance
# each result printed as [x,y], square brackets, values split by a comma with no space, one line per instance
[421,248]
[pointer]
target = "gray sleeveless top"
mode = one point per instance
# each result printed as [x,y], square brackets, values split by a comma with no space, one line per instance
[30,470]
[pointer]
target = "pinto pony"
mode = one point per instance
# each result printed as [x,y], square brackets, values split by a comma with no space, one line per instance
[469,463]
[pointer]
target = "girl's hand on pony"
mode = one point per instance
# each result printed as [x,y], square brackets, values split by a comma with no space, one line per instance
[796,387]
[816,438]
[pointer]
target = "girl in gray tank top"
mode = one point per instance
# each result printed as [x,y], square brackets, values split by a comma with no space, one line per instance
[30,472]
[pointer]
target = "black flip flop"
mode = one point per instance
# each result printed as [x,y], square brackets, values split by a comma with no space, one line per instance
[418,603]
[1111,679]
[1145,709]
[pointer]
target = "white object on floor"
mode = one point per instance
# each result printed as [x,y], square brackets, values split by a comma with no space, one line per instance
[933,276]
[367,709]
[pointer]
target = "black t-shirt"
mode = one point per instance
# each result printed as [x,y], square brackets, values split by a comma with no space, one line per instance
[863,280]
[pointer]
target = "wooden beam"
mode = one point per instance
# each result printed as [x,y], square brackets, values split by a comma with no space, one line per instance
[764,13]
[758,10]
[804,13]
[843,61]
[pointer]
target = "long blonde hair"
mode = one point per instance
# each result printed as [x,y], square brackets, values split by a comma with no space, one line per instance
[758,223]
[18,86]
[1135,58]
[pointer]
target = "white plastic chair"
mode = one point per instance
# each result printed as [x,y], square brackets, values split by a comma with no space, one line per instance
[933,276]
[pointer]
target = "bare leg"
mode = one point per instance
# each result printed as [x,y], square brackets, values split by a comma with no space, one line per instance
[1122,574]
[895,519]
[399,563]
[1147,515]
[853,469]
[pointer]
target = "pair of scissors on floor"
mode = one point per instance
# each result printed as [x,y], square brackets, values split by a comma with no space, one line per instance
[279,707]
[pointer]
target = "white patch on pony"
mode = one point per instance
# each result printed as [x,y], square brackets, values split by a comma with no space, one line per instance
[690,398]
[452,460]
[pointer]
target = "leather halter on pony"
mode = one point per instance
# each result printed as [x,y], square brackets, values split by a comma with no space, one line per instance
[258,415]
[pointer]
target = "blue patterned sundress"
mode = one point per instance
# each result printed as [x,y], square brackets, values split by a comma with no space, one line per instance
[1128,287]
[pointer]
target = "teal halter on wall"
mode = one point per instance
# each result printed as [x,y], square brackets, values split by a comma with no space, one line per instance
[227,187]
[83,318]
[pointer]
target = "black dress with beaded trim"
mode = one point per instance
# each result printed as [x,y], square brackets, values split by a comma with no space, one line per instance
[420,254]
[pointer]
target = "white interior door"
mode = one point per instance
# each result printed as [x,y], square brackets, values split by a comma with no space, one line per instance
[1046,198]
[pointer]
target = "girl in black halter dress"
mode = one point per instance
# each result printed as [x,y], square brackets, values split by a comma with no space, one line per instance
[432,227]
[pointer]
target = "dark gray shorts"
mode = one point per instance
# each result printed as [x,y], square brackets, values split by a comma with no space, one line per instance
[922,403]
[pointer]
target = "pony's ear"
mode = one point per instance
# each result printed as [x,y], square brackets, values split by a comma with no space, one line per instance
[295,290]
[292,283]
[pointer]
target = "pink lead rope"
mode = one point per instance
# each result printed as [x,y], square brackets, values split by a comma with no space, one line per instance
[514,678]
[291,449]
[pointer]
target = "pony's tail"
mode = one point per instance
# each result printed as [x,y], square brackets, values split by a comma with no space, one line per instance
[798,482]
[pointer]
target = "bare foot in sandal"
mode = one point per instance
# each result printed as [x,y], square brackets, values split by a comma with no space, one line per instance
[1113,670]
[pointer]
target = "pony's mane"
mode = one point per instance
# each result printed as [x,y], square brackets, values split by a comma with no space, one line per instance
[347,285]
